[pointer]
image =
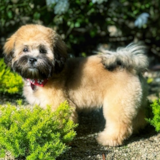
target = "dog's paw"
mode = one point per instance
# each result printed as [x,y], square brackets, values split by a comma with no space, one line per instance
[109,140]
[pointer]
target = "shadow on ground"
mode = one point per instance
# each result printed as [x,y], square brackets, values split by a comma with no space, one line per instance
[85,146]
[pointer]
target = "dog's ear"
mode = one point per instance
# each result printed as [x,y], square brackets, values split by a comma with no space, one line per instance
[60,53]
[8,49]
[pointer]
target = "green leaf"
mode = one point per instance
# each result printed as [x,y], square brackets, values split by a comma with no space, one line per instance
[36,15]
[10,15]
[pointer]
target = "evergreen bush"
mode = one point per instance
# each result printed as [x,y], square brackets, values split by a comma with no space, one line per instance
[35,133]
[154,118]
[9,82]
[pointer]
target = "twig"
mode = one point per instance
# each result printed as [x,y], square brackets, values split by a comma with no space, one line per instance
[103,156]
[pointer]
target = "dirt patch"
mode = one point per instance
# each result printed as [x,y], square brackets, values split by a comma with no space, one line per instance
[142,146]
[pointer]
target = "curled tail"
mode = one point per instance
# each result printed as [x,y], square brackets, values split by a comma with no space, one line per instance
[131,57]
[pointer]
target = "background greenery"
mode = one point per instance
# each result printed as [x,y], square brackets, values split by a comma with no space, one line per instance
[10,82]
[154,117]
[87,23]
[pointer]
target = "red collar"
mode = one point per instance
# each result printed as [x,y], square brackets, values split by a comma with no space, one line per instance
[37,82]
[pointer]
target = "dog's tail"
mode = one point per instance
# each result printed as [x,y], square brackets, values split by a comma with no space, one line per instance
[132,58]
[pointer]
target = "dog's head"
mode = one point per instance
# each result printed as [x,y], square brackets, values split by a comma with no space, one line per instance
[35,52]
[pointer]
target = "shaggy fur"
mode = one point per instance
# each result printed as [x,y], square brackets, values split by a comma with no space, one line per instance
[112,79]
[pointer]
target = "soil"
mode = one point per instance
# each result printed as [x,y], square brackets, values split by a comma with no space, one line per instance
[142,146]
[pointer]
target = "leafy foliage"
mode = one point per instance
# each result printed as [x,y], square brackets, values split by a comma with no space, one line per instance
[9,82]
[35,134]
[155,117]
[82,22]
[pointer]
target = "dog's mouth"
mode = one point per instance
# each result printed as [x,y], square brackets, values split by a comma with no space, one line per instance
[32,69]
[43,68]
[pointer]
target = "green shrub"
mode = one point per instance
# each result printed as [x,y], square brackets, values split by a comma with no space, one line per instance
[154,119]
[9,82]
[35,134]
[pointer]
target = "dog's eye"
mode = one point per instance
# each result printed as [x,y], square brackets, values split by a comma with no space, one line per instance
[42,50]
[25,50]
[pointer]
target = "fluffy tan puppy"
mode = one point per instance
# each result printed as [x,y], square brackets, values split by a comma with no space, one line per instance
[112,80]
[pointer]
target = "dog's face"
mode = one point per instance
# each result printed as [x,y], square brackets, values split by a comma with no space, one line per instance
[35,52]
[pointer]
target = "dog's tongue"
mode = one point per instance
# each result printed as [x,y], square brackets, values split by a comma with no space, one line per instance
[37,82]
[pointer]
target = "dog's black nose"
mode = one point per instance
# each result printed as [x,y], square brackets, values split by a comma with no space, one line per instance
[32,60]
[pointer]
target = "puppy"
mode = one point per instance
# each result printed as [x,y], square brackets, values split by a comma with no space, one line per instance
[112,79]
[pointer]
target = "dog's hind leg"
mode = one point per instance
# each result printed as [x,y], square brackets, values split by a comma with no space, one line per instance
[120,109]
[117,129]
